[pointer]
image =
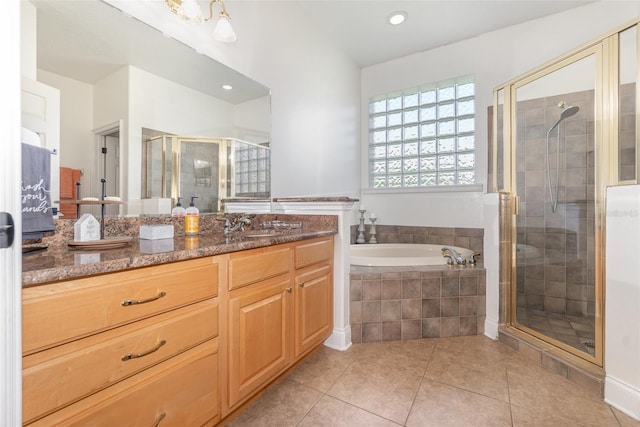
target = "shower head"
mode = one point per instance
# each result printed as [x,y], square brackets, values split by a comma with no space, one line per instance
[568,111]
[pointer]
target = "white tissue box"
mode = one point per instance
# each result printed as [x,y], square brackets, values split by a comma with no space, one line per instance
[156,231]
[156,246]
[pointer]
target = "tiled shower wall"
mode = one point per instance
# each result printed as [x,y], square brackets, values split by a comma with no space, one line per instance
[555,251]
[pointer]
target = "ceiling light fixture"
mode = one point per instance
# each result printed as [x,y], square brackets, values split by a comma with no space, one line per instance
[397,18]
[190,11]
[227,87]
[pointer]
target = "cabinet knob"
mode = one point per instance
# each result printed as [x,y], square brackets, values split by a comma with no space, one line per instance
[301,284]
[289,290]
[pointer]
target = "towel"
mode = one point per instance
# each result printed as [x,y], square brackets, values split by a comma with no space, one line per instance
[37,215]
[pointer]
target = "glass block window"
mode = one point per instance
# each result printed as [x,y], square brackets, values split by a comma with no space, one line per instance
[252,170]
[423,137]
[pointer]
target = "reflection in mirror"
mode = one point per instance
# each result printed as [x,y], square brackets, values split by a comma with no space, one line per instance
[207,169]
[136,78]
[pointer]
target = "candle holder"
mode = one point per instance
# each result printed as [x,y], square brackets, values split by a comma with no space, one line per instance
[372,231]
[360,238]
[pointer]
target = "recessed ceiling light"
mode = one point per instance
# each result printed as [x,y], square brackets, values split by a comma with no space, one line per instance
[397,18]
[227,87]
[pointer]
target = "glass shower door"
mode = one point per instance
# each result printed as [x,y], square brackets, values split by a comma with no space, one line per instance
[557,271]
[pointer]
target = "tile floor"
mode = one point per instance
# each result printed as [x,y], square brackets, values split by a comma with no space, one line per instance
[460,381]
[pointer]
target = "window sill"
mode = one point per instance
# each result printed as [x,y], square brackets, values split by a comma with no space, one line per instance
[474,188]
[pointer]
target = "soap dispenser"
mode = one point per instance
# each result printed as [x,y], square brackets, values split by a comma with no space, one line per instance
[178,210]
[192,219]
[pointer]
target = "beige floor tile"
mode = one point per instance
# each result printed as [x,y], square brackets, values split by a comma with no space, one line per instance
[284,404]
[481,349]
[543,392]
[441,405]
[523,417]
[385,389]
[624,419]
[462,370]
[320,370]
[394,354]
[330,412]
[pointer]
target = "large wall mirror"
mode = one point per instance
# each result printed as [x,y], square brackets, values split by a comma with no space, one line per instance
[140,84]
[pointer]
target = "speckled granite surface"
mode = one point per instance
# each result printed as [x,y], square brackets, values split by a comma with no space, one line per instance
[61,262]
[315,199]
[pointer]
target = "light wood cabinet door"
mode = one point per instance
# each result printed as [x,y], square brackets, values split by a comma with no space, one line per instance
[315,251]
[255,265]
[182,391]
[313,312]
[61,312]
[258,336]
[58,376]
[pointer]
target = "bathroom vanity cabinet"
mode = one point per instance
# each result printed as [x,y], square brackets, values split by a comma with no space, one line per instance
[280,307]
[97,350]
[184,343]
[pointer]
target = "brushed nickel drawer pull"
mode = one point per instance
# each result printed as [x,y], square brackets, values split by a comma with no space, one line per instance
[145,353]
[159,418]
[128,302]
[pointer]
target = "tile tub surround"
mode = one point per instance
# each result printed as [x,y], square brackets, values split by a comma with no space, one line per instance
[402,303]
[470,238]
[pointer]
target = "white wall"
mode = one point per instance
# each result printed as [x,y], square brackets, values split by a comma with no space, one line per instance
[622,332]
[76,118]
[494,58]
[252,120]
[314,86]
[111,104]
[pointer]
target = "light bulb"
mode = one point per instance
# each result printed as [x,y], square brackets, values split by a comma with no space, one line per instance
[223,31]
[397,18]
[189,10]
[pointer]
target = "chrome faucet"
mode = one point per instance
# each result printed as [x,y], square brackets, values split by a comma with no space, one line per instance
[453,257]
[235,223]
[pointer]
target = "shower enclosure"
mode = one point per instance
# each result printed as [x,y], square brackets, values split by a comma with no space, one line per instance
[562,133]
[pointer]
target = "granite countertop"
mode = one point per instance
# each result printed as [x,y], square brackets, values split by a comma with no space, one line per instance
[59,261]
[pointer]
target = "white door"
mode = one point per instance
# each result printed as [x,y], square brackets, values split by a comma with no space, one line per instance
[110,155]
[108,163]
[41,114]
[10,258]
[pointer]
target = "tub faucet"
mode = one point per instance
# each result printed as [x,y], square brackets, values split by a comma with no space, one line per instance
[453,257]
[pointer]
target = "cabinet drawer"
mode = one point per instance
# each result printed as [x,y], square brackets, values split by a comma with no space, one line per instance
[63,374]
[258,264]
[59,312]
[183,391]
[314,251]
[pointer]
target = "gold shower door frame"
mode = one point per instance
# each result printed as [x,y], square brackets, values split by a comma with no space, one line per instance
[606,96]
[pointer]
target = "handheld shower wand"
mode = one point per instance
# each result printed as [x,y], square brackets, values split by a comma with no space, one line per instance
[567,111]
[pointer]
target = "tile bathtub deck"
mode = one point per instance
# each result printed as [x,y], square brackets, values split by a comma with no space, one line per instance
[461,381]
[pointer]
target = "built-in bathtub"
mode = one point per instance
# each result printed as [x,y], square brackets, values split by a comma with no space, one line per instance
[407,291]
[402,254]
